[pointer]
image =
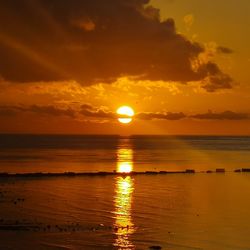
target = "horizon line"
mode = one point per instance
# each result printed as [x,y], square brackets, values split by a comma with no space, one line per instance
[123,135]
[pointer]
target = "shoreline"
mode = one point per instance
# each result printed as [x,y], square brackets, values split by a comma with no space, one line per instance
[114,173]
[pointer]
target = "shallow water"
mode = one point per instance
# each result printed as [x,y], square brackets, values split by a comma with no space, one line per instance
[202,211]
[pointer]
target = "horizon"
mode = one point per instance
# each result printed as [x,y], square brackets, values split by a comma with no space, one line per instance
[130,135]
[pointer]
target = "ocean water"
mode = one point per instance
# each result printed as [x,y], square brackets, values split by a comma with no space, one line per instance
[62,153]
[177,211]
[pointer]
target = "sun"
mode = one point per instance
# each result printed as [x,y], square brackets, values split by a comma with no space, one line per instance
[125,114]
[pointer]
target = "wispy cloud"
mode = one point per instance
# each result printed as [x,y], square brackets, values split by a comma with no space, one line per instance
[40,110]
[224,50]
[160,116]
[90,112]
[226,115]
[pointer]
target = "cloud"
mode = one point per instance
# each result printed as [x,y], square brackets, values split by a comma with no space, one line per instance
[160,116]
[107,40]
[188,20]
[43,110]
[226,115]
[7,111]
[51,110]
[99,114]
[216,82]
[224,50]
[85,24]
[90,111]
[85,110]
[215,79]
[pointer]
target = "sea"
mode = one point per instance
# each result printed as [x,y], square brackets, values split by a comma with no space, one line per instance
[79,153]
[202,210]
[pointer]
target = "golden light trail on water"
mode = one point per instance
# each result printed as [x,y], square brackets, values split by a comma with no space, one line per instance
[124,188]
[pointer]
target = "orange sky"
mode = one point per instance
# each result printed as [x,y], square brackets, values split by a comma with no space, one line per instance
[181,65]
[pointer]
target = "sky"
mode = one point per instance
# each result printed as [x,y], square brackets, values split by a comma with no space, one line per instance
[182,65]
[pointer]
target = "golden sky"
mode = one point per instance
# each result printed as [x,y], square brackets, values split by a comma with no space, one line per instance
[183,66]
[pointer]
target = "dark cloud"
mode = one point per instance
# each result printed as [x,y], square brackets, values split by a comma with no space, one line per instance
[226,115]
[100,113]
[160,116]
[217,82]
[224,50]
[87,107]
[90,111]
[7,111]
[43,110]
[215,79]
[85,110]
[95,41]
[51,110]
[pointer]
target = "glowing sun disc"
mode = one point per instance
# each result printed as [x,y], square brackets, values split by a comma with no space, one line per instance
[127,113]
[125,120]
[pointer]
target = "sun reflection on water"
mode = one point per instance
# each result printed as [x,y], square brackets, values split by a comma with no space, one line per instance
[123,224]
[124,160]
